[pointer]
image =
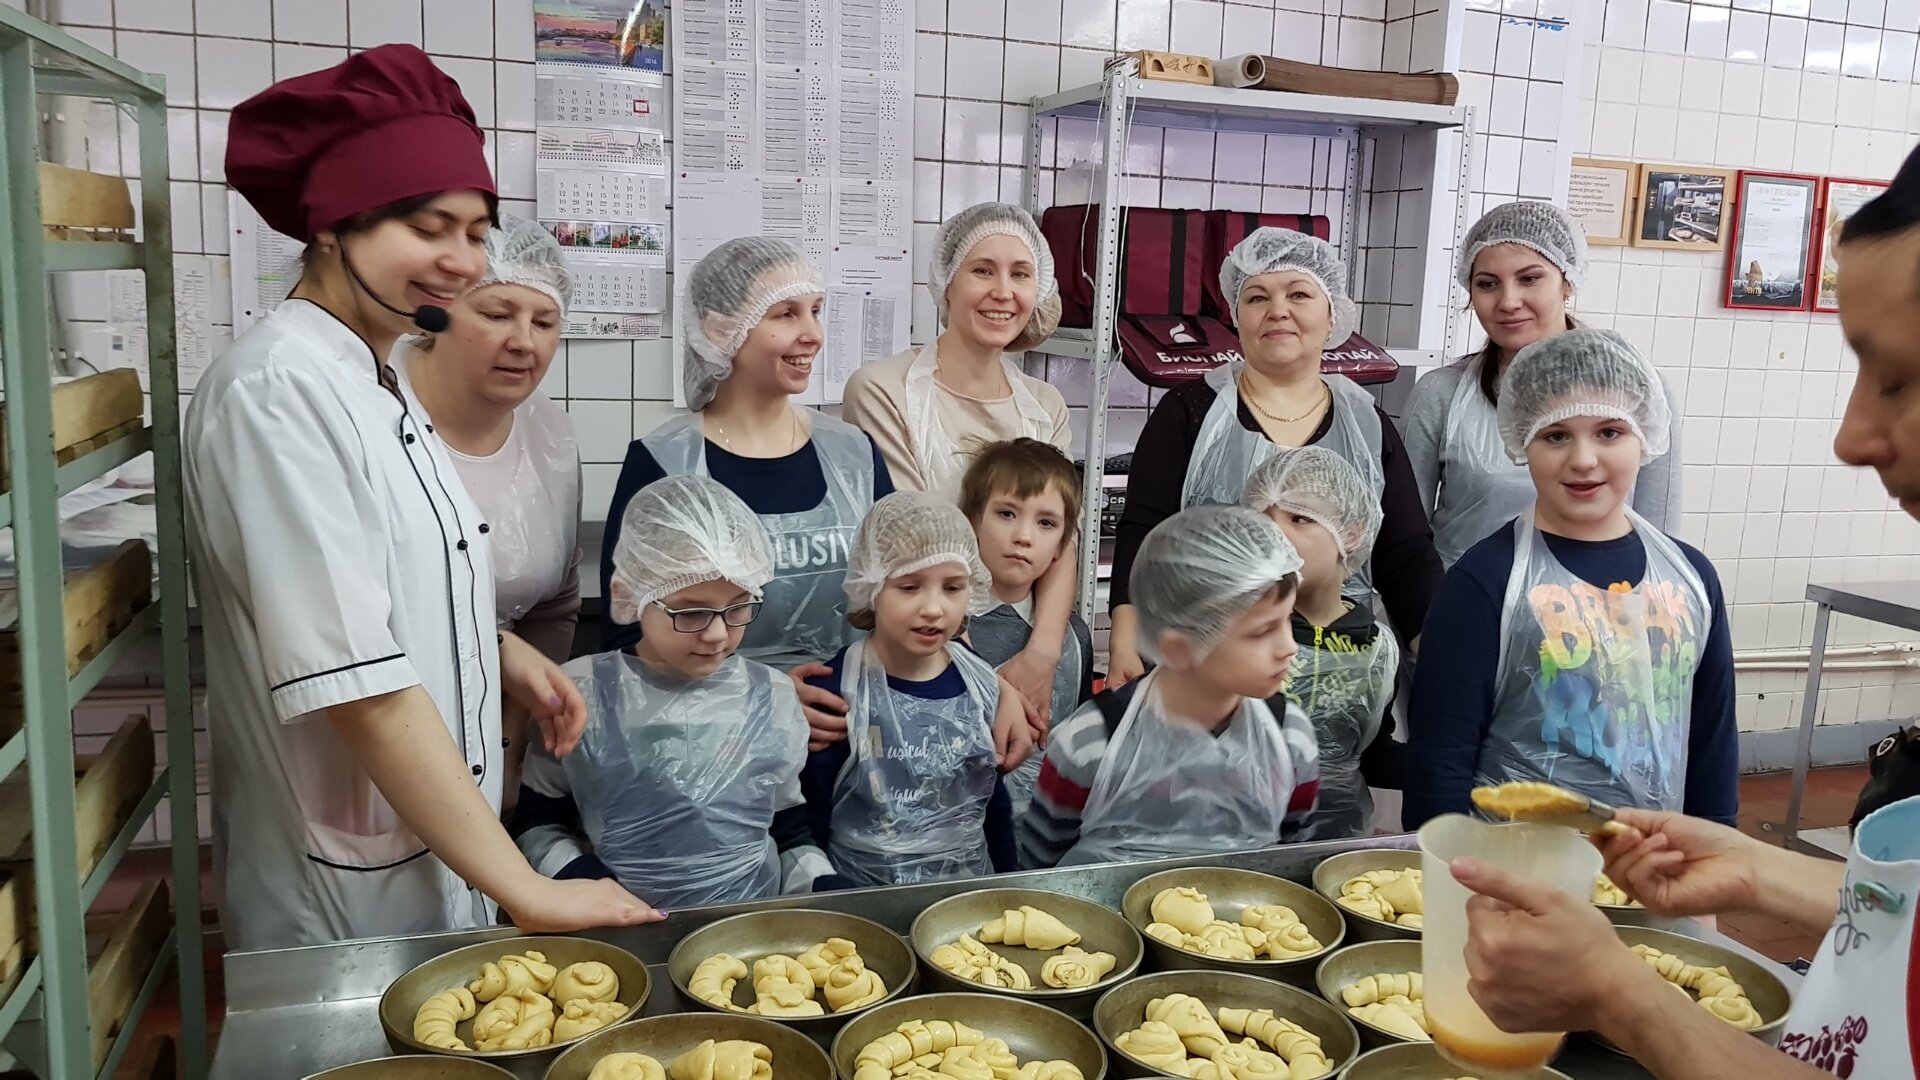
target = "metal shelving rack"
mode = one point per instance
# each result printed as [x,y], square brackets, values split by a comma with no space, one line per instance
[35,60]
[1122,100]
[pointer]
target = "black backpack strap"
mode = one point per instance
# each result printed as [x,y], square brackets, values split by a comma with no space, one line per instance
[1113,705]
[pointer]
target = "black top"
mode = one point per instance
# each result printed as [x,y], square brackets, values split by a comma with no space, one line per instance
[1406,568]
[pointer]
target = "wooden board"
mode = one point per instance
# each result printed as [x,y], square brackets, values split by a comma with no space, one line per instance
[85,410]
[98,602]
[13,931]
[78,199]
[132,947]
[1175,67]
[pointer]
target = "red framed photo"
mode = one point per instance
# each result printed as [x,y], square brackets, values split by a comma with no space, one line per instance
[1770,248]
[1839,198]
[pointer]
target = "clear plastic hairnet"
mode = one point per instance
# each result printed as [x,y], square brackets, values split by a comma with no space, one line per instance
[1201,569]
[1542,226]
[522,252]
[905,533]
[961,233]
[728,293]
[1319,484]
[681,531]
[1269,250]
[1583,372]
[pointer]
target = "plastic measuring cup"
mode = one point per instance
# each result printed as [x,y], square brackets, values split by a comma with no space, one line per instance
[1550,854]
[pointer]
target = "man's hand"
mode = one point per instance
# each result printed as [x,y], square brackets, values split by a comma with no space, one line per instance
[1031,672]
[1678,865]
[546,906]
[826,713]
[539,686]
[1538,959]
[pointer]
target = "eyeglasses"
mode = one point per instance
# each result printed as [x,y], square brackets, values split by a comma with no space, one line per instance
[695,620]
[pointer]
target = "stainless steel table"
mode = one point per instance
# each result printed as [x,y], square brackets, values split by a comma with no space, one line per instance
[1894,603]
[293,1012]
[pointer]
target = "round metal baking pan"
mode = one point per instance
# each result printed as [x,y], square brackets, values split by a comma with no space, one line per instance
[758,934]
[1100,931]
[1769,994]
[1347,966]
[1337,870]
[1125,1008]
[416,1067]
[1231,892]
[664,1038]
[1032,1031]
[1419,1061]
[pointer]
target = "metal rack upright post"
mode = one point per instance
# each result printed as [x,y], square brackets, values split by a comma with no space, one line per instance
[52,993]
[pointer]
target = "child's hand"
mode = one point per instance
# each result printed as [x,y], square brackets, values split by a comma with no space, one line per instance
[826,713]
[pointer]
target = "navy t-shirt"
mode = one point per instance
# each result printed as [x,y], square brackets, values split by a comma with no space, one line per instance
[1451,710]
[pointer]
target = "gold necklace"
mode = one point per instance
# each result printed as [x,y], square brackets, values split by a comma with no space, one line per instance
[793,429]
[1326,394]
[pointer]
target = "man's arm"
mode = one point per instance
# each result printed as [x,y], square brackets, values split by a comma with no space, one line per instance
[1690,1044]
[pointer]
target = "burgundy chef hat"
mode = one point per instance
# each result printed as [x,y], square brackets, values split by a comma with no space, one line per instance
[382,126]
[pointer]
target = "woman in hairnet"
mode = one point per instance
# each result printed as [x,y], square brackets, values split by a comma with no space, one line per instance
[1205,438]
[930,408]
[1578,645]
[752,331]
[1521,264]
[1343,676]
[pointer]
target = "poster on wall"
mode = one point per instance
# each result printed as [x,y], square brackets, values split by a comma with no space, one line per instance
[1772,241]
[1838,200]
[1600,198]
[1682,207]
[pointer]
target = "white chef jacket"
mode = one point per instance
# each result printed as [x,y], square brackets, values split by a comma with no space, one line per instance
[336,557]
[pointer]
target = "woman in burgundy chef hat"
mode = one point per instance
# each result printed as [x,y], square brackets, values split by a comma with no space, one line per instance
[355,678]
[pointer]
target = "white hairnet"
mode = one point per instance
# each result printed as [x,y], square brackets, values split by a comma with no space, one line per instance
[1268,250]
[678,532]
[1201,569]
[905,533]
[728,293]
[1583,372]
[1317,483]
[1542,226]
[961,233]
[522,252]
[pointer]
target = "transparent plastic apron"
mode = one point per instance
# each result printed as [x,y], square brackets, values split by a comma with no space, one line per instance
[804,618]
[1225,453]
[1594,687]
[1344,692]
[1481,488]
[910,804]
[1853,1014]
[1171,787]
[676,781]
[942,460]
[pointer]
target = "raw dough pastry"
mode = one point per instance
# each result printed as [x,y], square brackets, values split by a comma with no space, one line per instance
[1300,1048]
[988,1059]
[581,1016]
[1225,939]
[1168,933]
[433,1024]
[734,1059]
[628,1066]
[1188,1017]
[1606,892]
[1031,927]
[1379,987]
[819,959]
[528,971]
[782,987]
[1074,968]
[1250,1061]
[1186,910]
[519,1020]
[1378,894]
[965,958]
[1715,988]
[589,980]
[851,984]
[1157,1044]
[1394,1018]
[901,1047]
[1738,1011]
[776,967]
[713,980]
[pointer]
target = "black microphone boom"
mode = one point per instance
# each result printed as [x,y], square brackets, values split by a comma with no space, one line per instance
[428,317]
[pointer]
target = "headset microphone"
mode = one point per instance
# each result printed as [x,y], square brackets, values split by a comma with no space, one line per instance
[428,317]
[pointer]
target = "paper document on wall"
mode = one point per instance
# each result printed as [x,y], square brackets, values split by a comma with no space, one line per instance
[862,325]
[266,264]
[196,311]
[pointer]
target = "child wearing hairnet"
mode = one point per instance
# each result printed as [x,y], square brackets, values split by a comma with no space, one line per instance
[1343,676]
[1190,759]
[686,785]
[1578,645]
[914,794]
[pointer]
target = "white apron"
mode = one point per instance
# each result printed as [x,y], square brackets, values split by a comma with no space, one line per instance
[1854,1015]
[941,461]
[1480,487]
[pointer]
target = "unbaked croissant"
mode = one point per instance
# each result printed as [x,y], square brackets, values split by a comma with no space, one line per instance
[1248,1061]
[627,1066]
[778,996]
[1168,933]
[963,1063]
[878,1059]
[821,958]
[1188,1017]
[1154,1043]
[1405,893]
[581,1016]
[1074,968]
[1031,927]
[1391,1017]
[433,1024]
[588,980]
[1184,909]
[851,984]
[734,1059]
[528,969]
[1048,1070]
[1376,987]
[778,966]
[517,1020]
[1224,939]
[1288,1039]
[714,979]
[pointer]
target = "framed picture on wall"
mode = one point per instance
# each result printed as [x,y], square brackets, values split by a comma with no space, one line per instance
[1600,197]
[1771,241]
[1682,207]
[1838,200]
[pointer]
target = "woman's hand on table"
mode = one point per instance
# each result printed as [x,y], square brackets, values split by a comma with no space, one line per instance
[826,713]
[1677,865]
[547,906]
[550,698]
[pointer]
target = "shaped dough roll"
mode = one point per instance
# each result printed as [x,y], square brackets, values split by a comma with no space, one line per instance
[777,966]
[1182,908]
[851,984]
[1226,940]
[1155,1043]
[529,969]
[589,980]
[714,979]
[518,1020]
[1168,933]
[1391,1018]
[1414,919]
[821,958]
[1737,1011]
[1287,1038]
[960,1063]
[734,1059]
[778,996]
[433,1024]
[627,1066]
[1292,941]
[1715,982]
[1405,893]
[1073,968]
[1031,927]
[1188,1017]
[1369,905]
[1376,987]
[581,1017]
[1247,1061]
